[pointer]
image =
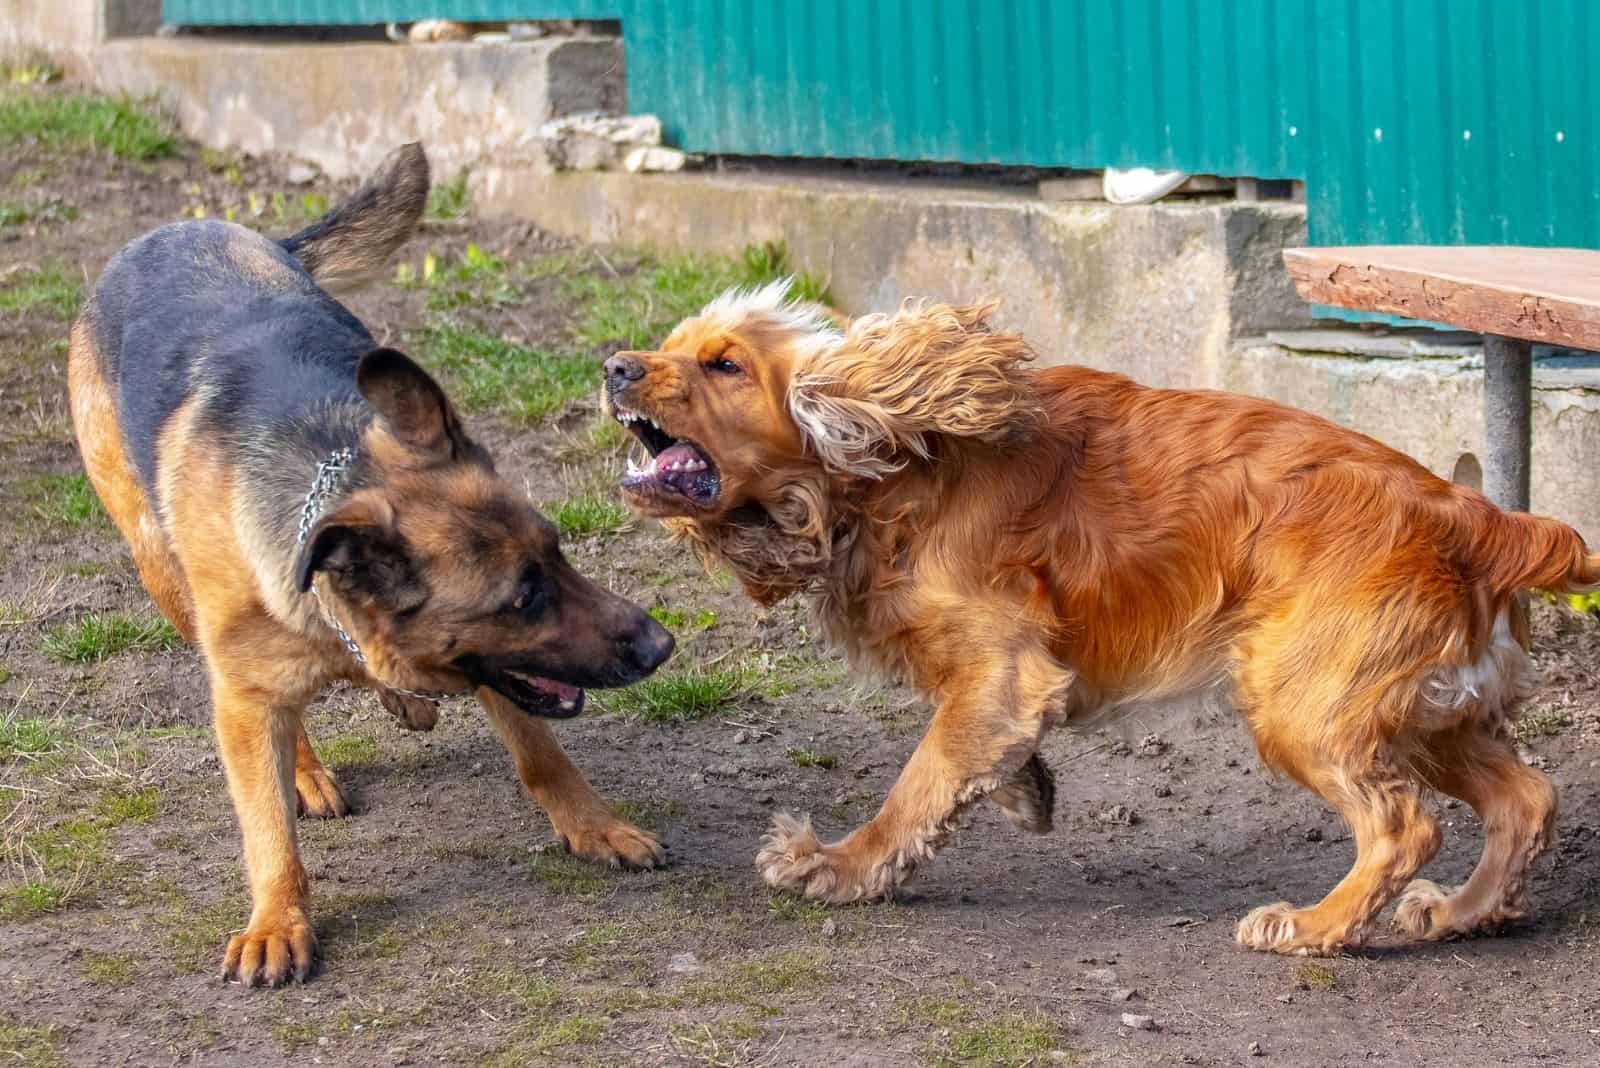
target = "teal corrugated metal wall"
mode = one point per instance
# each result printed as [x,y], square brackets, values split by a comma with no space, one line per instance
[1428,121]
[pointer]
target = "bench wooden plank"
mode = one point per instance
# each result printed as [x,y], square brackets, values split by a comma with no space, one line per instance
[1537,294]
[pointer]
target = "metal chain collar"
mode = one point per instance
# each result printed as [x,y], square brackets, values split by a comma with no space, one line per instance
[330,475]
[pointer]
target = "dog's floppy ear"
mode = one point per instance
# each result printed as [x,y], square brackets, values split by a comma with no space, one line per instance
[897,380]
[412,407]
[362,552]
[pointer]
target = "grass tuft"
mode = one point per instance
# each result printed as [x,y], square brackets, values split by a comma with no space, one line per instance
[810,758]
[1312,975]
[98,637]
[450,200]
[116,125]
[111,969]
[348,751]
[28,1047]
[491,371]
[65,500]
[638,309]
[51,288]
[24,737]
[1010,1041]
[591,513]
[32,899]
[680,696]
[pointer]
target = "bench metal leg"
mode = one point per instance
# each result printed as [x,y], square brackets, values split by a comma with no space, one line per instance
[1507,420]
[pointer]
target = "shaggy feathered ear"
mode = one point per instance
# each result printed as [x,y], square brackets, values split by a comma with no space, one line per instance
[898,380]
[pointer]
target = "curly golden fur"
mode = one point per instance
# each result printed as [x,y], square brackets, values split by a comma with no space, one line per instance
[1031,548]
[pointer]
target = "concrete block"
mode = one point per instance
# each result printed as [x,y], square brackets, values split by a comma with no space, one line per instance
[344,106]
[1152,291]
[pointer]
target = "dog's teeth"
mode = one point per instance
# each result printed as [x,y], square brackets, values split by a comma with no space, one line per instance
[633,468]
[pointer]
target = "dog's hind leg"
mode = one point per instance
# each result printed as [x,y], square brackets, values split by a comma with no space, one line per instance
[1395,835]
[586,825]
[94,418]
[1518,807]
[983,740]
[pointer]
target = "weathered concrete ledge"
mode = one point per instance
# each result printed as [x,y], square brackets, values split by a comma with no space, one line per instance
[345,106]
[1156,292]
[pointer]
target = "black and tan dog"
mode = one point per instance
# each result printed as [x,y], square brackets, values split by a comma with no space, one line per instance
[305,506]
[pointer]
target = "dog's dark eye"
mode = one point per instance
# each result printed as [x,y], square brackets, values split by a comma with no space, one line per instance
[529,601]
[723,366]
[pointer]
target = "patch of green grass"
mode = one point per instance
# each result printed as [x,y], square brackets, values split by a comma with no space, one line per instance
[15,212]
[1312,975]
[117,125]
[674,619]
[680,696]
[110,969]
[605,435]
[65,500]
[32,899]
[1010,1041]
[28,1047]
[50,288]
[792,909]
[296,1035]
[359,926]
[492,372]
[652,815]
[477,278]
[640,308]
[1541,723]
[756,982]
[119,807]
[574,1030]
[450,200]
[591,513]
[197,937]
[810,758]
[348,751]
[5,677]
[570,876]
[98,637]
[20,736]
[29,66]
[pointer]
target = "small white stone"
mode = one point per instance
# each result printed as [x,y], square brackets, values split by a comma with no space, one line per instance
[1136,1022]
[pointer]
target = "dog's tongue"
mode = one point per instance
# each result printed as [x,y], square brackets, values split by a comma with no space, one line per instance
[676,455]
[560,689]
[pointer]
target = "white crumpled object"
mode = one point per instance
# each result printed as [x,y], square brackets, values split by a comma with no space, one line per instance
[594,142]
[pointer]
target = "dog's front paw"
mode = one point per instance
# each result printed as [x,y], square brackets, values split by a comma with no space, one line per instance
[1429,912]
[792,859]
[272,950]
[1282,928]
[614,841]
[318,795]
[412,713]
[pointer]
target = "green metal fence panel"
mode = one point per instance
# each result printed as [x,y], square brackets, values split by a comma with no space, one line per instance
[367,12]
[1427,121]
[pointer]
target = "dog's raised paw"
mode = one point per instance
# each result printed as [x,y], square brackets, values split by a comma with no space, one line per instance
[1420,904]
[412,713]
[1029,797]
[791,858]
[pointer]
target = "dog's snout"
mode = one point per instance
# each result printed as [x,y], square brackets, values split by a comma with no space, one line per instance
[621,370]
[647,647]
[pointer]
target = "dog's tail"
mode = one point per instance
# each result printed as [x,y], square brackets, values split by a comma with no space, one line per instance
[351,244]
[1536,552]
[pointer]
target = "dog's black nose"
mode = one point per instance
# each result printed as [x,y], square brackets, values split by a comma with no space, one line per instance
[622,369]
[648,647]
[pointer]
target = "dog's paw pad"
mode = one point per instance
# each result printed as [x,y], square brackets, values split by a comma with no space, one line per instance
[272,952]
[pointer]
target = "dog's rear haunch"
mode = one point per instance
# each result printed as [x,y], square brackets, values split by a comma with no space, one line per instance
[1035,548]
[305,506]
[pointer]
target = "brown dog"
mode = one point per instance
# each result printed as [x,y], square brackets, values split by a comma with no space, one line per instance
[1032,548]
[305,506]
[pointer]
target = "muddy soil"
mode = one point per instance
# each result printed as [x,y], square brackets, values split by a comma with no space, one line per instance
[455,932]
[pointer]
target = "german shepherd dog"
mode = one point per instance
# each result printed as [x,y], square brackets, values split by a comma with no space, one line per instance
[305,506]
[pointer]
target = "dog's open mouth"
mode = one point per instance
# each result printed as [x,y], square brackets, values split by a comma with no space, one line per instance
[677,467]
[534,694]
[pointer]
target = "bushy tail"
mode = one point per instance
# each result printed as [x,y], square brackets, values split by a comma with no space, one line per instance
[351,244]
[1535,552]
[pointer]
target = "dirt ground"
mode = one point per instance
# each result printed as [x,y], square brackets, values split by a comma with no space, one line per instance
[452,929]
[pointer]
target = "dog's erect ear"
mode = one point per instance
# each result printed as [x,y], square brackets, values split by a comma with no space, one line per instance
[362,552]
[413,408]
[897,380]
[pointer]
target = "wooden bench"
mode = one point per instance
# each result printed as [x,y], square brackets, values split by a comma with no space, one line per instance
[1513,296]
